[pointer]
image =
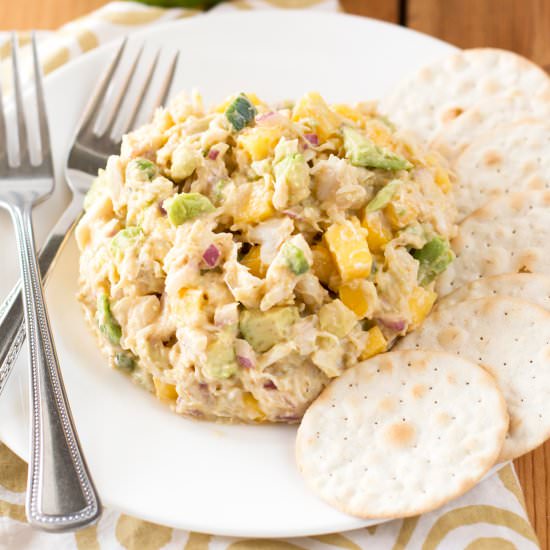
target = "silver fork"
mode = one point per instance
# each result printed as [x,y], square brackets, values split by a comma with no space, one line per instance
[60,493]
[88,153]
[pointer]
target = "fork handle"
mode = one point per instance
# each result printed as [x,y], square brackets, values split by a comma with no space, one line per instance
[60,492]
[12,321]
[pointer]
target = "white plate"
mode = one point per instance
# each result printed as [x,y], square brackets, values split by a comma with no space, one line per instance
[146,461]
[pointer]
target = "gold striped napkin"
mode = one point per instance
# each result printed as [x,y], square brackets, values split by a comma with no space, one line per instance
[490,517]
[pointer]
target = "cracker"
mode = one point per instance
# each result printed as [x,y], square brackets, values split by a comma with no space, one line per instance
[508,235]
[511,339]
[440,92]
[532,287]
[484,117]
[401,434]
[512,157]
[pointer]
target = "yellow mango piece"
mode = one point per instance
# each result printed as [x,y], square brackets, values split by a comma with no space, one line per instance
[253,261]
[259,142]
[400,215]
[441,176]
[164,391]
[421,302]
[376,344]
[379,134]
[253,406]
[379,229]
[190,303]
[355,297]
[258,206]
[323,265]
[348,245]
[350,113]
[312,106]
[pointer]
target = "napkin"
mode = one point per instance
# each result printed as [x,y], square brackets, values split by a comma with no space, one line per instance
[492,516]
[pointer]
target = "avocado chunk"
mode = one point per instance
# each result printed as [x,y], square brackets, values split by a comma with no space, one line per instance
[125,361]
[185,160]
[292,172]
[361,151]
[434,257]
[295,259]
[384,196]
[263,329]
[125,238]
[221,361]
[186,206]
[141,169]
[336,318]
[107,323]
[240,113]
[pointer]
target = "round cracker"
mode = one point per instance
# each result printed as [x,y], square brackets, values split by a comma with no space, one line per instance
[513,157]
[440,92]
[508,235]
[484,117]
[401,434]
[511,339]
[532,287]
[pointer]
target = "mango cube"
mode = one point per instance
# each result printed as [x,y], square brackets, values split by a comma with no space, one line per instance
[401,215]
[348,245]
[259,142]
[380,233]
[376,344]
[420,305]
[164,391]
[323,265]
[312,106]
[253,406]
[253,261]
[258,206]
[355,296]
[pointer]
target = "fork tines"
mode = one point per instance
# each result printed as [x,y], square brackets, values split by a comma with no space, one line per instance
[24,165]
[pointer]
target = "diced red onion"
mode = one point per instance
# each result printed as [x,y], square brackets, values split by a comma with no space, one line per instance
[393,324]
[270,385]
[213,154]
[312,138]
[290,214]
[245,362]
[265,116]
[211,255]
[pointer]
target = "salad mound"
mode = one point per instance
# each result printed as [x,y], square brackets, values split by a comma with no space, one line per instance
[234,260]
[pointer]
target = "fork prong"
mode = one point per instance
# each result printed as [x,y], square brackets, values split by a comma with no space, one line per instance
[94,106]
[140,98]
[45,147]
[165,88]
[21,125]
[121,95]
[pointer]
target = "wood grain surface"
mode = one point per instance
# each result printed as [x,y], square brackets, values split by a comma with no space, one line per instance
[519,25]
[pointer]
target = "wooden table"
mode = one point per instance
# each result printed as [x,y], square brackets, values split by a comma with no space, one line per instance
[519,25]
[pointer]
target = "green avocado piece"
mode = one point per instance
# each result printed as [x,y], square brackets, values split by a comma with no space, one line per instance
[263,329]
[295,259]
[434,257]
[186,206]
[361,151]
[221,361]
[107,323]
[125,361]
[125,238]
[294,169]
[240,113]
[384,196]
